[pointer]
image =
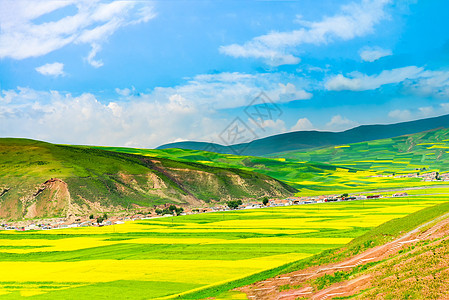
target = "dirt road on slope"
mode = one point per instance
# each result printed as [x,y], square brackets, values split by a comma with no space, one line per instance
[298,284]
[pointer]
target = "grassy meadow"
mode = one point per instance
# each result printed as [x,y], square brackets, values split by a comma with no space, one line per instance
[404,154]
[310,178]
[346,168]
[187,255]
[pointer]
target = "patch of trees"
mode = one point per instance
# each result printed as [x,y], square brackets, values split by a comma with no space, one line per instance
[265,201]
[233,204]
[171,210]
[102,218]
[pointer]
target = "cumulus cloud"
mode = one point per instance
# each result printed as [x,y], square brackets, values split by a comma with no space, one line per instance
[188,111]
[362,82]
[399,114]
[64,118]
[340,123]
[22,36]
[373,54]
[54,69]
[279,48]
[230,90]
[289,92]
[302,124]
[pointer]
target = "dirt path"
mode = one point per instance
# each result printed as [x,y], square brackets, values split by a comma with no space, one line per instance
[295,285]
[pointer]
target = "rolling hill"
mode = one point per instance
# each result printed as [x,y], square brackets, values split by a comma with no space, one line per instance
[424,151]
[39,179]
[303,140]
[349,167]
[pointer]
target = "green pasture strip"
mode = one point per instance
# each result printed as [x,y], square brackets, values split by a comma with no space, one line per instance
[39,235]
[20,247]
[121,289]
[308,190]
[169,252]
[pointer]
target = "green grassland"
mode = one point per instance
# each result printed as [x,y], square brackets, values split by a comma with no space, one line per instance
[202,255]
[404,154]
[112,179]
[349,168]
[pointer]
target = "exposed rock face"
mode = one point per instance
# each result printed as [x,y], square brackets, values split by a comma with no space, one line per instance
[52,198]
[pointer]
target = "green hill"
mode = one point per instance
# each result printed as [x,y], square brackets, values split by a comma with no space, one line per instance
[304,140]
[39,179]
[344,168]
[310,178]
[425,151]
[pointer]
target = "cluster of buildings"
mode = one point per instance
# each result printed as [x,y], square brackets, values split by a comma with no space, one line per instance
[431,176]
[62,223]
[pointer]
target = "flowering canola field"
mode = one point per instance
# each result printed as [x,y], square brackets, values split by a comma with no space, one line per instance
[167,257]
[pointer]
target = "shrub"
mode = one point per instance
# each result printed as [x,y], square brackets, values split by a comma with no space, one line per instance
[233,204]
[265,201]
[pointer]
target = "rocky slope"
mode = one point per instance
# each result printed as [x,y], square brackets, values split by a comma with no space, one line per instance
[413,266]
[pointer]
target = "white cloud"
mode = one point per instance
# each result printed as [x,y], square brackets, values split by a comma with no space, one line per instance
[431,83]
[125,92]
[302,124]
[85,120]
[91,56]
[340,123]
[269,127]
[402,115]
[21,36]
[187,111]
[363,82]
[426,111]
[289,92]
[415,80]
[230,90]
[445,106]
[373,54]
[278,48]
[54,69]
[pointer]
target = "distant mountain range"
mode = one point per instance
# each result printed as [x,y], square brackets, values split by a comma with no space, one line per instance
[301,140]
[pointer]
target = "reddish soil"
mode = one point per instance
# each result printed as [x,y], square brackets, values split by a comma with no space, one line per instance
[300,281]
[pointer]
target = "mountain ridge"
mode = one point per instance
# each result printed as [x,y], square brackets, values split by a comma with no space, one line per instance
[301,140]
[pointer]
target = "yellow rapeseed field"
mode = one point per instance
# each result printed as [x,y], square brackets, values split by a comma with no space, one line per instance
[189,252]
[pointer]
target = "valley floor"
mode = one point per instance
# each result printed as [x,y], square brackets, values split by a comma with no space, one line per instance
[193,256]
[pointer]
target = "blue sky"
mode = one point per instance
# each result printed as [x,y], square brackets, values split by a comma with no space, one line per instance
[144,73]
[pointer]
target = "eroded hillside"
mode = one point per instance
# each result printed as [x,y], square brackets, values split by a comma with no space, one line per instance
[39,179]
